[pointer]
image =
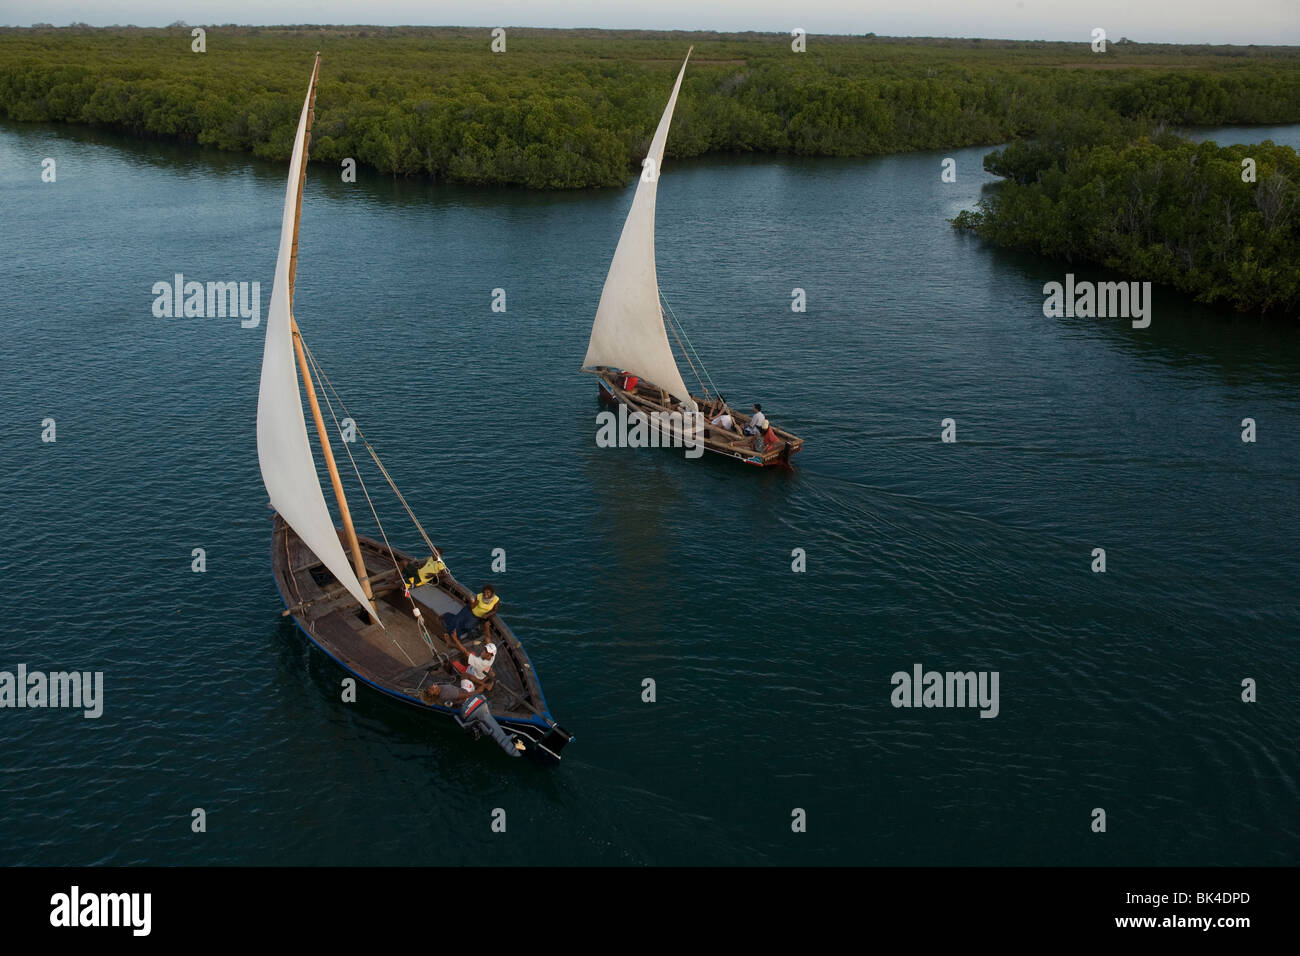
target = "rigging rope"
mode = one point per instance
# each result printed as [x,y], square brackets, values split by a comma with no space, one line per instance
[687,356]
[419,617]
[379,464]
[677,324]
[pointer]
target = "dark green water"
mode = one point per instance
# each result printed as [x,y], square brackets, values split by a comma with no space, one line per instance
[1119,690]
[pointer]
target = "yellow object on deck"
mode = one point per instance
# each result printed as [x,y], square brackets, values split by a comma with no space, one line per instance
[428,571]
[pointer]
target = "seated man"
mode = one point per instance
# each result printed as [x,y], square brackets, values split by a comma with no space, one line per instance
[447,693]
[468,618]
[478,669]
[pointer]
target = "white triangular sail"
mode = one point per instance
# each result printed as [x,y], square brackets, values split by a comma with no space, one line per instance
[628,332]
[283,450]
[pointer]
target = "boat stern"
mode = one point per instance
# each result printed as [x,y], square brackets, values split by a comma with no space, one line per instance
[545,743]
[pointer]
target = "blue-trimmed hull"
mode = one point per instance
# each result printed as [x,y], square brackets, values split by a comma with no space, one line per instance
[544,738]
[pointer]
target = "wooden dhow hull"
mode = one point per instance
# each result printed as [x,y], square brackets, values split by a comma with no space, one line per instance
[648,399]
[395,659]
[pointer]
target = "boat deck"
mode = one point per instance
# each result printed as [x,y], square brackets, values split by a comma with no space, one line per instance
[734,443]
[396,658]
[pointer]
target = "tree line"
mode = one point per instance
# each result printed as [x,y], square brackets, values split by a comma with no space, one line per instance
[571,109]
[1220,223]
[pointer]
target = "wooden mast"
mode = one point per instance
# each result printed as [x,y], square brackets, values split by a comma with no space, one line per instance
[302,179]
[358,562]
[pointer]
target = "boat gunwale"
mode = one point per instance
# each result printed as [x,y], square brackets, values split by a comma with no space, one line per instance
[544,721]
[764,459]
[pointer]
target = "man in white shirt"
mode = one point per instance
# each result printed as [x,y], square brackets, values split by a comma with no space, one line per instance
[758,422]
[478,667]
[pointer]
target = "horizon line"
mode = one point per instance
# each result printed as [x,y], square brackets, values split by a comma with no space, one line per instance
[179,24]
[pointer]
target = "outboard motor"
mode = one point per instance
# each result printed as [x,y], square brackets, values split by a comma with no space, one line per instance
[476,717]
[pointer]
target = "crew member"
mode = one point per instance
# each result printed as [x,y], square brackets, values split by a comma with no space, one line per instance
[448,693]
[469,617]
[477,667]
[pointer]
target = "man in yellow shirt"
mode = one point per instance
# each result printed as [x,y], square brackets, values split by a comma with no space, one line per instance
[466,621]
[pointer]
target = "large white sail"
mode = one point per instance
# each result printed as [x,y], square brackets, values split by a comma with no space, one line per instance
[283,450]
[628,332]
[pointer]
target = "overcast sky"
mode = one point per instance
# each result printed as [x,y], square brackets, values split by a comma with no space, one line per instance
[1170,21]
